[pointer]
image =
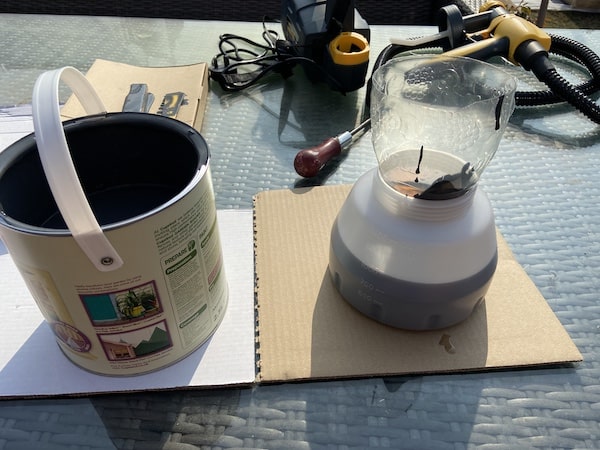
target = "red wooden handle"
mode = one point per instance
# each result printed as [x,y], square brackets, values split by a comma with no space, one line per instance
[309,161]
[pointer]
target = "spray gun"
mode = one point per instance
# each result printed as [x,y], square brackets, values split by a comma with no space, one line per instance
[492,32]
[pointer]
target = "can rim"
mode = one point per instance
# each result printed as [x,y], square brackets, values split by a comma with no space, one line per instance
[28,144]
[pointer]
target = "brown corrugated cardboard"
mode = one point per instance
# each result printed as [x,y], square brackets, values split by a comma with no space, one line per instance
[112,81]
[305,330]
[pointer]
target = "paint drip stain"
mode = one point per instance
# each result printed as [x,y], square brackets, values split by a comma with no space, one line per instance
[447,344]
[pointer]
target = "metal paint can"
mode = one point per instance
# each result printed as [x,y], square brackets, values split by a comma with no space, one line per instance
[138,283]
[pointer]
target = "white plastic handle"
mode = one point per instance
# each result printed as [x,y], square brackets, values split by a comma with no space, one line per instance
[58,165]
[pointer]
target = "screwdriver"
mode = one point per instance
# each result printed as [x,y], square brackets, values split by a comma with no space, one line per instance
[310,161]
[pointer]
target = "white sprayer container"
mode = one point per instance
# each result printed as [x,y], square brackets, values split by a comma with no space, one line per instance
[412,263]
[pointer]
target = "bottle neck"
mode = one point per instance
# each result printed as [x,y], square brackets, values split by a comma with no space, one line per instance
[406,206]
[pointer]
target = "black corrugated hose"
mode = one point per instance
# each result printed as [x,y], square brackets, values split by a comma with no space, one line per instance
[560,88]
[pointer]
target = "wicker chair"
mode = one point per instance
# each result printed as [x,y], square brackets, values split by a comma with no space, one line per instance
[400,12]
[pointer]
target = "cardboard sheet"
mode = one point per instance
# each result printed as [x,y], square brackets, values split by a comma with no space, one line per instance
[31,363]
[307,331]
[112,81]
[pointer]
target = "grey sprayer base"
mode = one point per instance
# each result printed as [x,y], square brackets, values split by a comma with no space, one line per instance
[404,304]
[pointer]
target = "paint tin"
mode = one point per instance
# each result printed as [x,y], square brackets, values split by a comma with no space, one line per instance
[136,281]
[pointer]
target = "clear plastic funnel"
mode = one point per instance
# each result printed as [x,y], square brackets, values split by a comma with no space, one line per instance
[437,122]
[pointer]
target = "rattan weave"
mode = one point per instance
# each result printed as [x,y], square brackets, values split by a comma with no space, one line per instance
[374,11]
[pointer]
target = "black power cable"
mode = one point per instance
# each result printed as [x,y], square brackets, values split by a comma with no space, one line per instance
[236,68]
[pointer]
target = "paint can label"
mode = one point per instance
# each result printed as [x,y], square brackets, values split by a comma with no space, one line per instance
[166,301]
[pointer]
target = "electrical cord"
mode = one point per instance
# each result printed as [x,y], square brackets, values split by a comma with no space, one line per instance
[242,62]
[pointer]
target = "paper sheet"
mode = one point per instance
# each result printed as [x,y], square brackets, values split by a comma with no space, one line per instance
[31,363]
[15,123]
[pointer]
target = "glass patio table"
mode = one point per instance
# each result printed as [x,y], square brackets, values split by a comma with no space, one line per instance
[543,184]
